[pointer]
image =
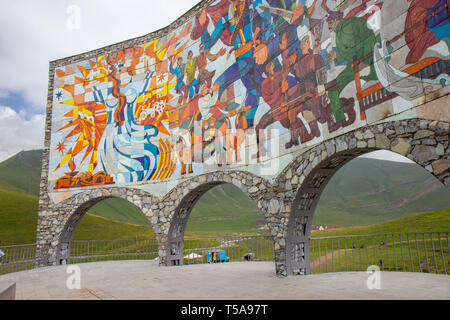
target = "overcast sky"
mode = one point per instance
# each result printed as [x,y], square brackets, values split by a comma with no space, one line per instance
[32,33]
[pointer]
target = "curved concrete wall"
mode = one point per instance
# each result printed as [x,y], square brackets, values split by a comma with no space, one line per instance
[240,84]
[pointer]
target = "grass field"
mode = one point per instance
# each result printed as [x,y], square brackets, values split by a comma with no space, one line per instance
[382,245]
[18,218]
[18,221]
[120,210]
[425,252]
[224,210]
[438,221]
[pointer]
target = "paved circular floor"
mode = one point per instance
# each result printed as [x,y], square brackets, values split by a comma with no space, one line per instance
[238,280]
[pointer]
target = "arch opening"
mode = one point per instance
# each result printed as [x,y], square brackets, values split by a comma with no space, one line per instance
[183,214]
[121,218]
[305,206]
[375,188]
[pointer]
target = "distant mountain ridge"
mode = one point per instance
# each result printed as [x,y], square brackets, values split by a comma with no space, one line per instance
[366,190]
[363,192]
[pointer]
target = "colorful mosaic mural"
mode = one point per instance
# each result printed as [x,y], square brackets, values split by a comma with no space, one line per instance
[204,96]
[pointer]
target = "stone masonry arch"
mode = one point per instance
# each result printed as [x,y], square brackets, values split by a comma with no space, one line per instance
[423,141]
[57,224]
[177,205]
[288,203]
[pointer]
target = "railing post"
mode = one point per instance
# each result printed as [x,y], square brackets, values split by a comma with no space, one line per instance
[360,257]
[426,252]
[401,252]
[410,256]
[434,253]
[345,250]
[395,254]
[339,254]
[332,255]
[442,253]
[320,256]
[366,242]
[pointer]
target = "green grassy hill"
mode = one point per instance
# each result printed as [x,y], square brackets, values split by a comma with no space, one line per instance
[120,210]
[93,227]
[386,245]
[18,221]
[18,218]
[225,209]
[438,221]
[367,191]
[22,172]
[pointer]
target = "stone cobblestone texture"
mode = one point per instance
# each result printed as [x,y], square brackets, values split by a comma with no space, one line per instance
[287,201]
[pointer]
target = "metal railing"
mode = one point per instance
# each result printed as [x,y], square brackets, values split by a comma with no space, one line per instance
[18,258]
[120,249]
[235,248]
[408,252]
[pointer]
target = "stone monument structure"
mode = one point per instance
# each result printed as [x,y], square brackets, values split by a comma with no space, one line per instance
[272,96]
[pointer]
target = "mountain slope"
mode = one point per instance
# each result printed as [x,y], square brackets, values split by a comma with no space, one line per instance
[18,221]
[367,191]
[437,221]
[225,209]
[18,218]
[120,210]
[22,172]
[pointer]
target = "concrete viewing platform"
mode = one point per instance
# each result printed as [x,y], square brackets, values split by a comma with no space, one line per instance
[7,290]
[228,281]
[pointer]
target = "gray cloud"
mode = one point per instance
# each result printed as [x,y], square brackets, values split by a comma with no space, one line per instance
[36,32]
[19,134]
[387,155]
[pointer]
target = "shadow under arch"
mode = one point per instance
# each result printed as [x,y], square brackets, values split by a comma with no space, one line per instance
[175,238]
[87,200]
